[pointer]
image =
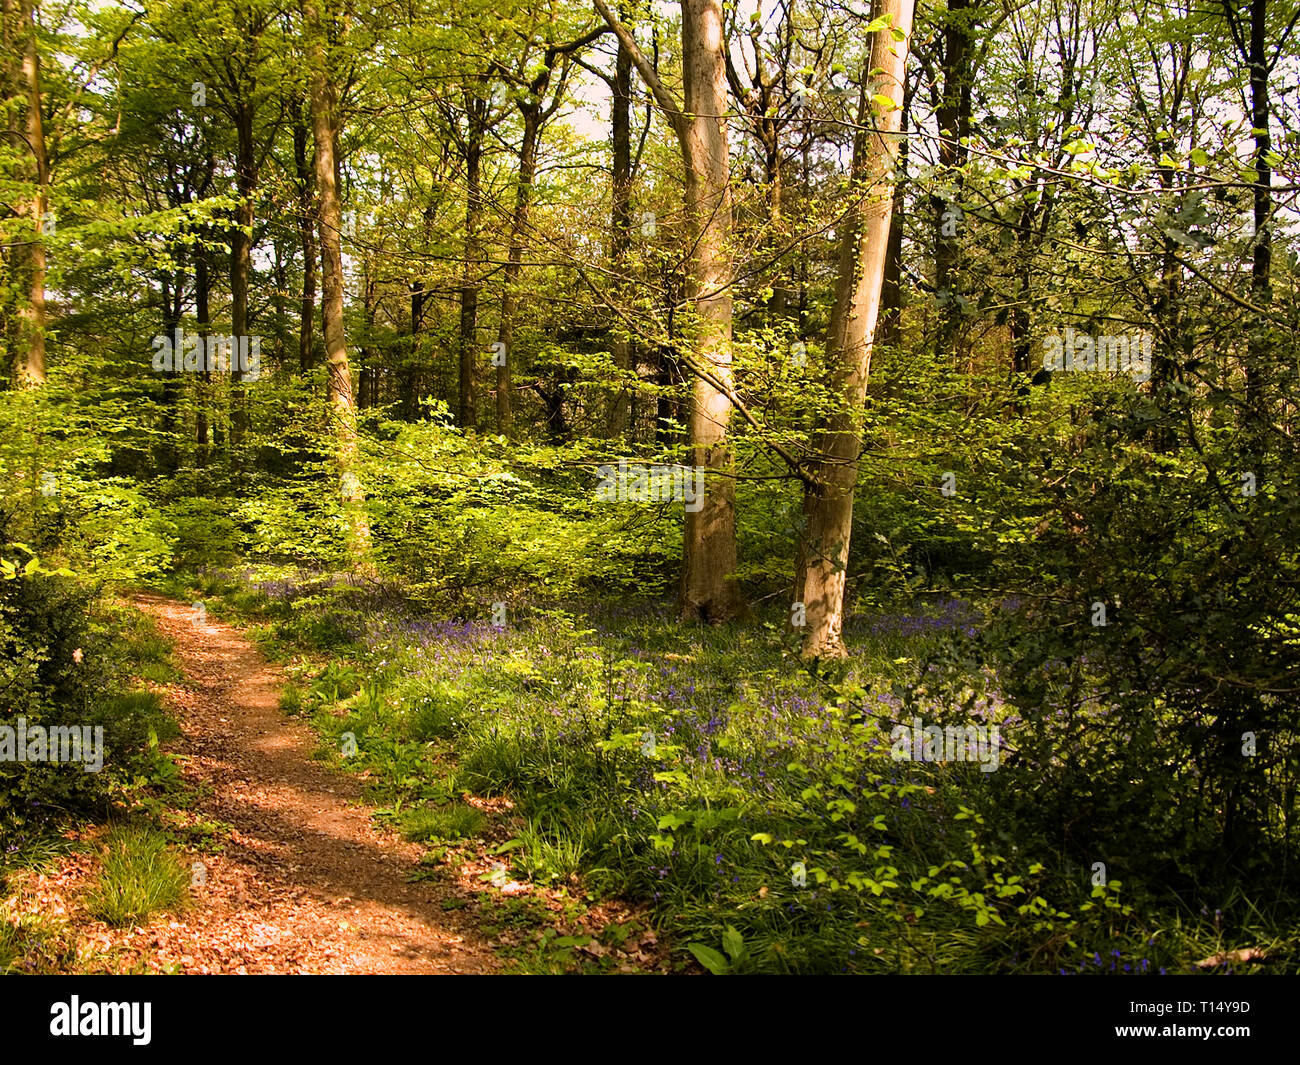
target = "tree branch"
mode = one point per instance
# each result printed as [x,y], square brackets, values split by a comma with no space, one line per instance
[671,107]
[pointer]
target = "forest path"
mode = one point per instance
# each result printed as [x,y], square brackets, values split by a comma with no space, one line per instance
[305,883]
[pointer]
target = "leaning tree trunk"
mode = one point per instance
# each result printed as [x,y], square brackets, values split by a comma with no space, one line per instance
[828,500]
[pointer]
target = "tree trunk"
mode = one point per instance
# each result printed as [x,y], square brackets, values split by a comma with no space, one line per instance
[1262,256]
[828,502]
[709,591]
[1241,823]
[624,348]
[202,288]
[307,242]
[31,316]
[953,118]
[774,171]
[514,261]
[476,110]
[708,588]
[668,411]
[891,295]
[325,130]
[168,453]
[366,356]
[241,256]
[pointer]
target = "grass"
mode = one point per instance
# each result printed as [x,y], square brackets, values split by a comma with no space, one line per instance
[138,878]
[549,853]
[456,820]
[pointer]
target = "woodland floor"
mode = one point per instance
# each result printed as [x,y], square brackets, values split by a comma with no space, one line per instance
[304,882]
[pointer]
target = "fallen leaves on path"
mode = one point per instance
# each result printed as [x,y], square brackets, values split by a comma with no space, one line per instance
[304,881]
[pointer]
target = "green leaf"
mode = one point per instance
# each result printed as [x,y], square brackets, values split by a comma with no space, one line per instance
[709,958]
[733,943]
[571,941]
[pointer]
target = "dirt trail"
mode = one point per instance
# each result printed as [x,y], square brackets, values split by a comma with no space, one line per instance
[305,883]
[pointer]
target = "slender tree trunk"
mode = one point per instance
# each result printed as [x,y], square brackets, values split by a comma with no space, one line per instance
[774,166]
[953,117]
[241,257]
[31,316]
[280,271]
[367,354]
[1022,337]
[1168,312]
[307,242]
[624,347]
[828,502]
[202,286]
[1241,820]
[410,405]
[173,290]
[1262,255]
[467,405]
[891,295]
[514,262]
[667,408]
[805,183]
[325,129]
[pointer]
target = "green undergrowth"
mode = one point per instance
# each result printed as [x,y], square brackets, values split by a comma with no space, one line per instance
[751,804]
